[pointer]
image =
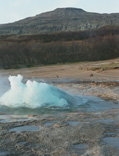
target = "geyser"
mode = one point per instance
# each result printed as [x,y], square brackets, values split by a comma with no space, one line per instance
[33,94]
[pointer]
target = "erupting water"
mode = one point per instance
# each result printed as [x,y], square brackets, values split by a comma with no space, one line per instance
[33,94]
[34,98]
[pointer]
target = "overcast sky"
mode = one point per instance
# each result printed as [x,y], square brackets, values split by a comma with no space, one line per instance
[14,10]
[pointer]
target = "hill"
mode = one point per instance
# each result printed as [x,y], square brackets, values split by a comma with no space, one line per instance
[60,20]
[18,51]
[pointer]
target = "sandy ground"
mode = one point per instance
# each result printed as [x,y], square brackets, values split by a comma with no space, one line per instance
[75,71]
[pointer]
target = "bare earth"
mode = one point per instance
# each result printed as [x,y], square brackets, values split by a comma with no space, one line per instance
[66,134]
[76,71]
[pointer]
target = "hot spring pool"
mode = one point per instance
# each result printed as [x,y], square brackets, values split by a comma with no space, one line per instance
[40,98]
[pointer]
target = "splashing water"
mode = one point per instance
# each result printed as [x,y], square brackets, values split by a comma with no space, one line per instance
[41,98]
[33,94]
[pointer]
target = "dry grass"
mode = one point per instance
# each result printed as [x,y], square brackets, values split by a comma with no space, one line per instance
[102,67]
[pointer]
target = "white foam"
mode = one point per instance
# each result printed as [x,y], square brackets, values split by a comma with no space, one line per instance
[33,94]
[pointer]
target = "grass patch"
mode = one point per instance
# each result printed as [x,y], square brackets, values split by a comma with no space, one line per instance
[105,66]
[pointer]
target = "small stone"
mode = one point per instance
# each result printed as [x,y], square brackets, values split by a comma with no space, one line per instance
[57,126]
[91,74]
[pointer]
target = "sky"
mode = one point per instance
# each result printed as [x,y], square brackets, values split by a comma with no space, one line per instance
[14,10]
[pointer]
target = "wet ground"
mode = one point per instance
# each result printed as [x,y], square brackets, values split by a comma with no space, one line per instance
[71,134]
[79,133]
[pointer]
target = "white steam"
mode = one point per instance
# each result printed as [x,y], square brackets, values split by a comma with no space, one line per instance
[33,94]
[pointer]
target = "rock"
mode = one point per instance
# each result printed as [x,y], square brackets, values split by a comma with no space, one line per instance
[91,74]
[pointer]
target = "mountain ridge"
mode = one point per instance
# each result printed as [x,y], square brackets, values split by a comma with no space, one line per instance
[60,20]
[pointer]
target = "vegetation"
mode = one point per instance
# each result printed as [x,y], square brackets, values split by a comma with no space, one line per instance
[31,50]
[105,66]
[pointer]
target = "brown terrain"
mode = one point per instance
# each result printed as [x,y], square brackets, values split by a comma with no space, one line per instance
[86,71]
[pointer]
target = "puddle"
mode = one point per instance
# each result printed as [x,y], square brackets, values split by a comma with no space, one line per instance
[3,153]
[112,141]
[14,118]
[50,123]
[30,128]
[73,123]
[107,120]
[79,148]
[47,124]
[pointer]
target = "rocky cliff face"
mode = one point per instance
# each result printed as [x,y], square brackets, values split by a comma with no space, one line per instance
[60,20]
